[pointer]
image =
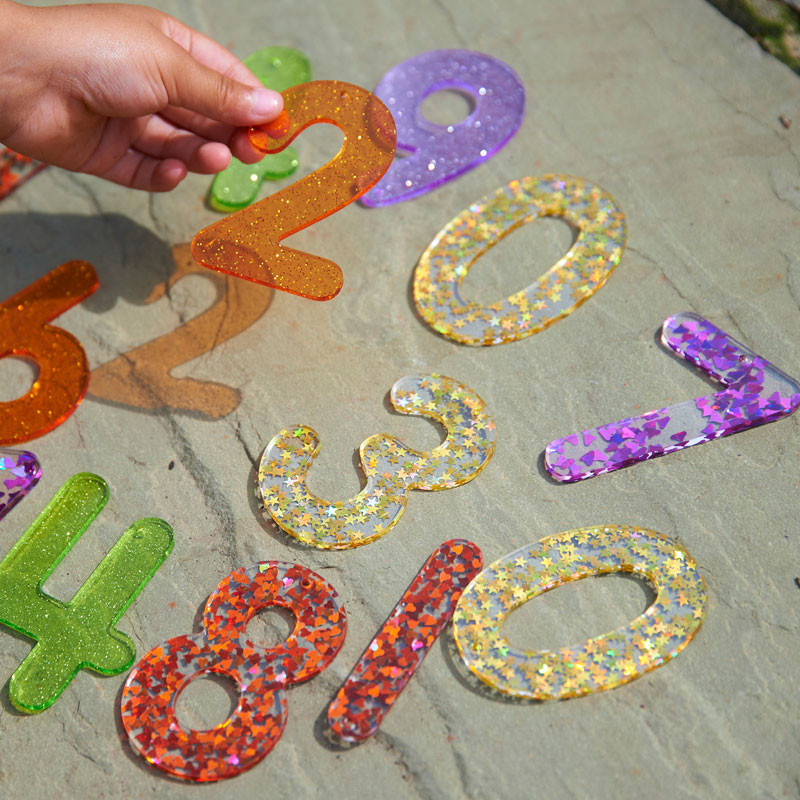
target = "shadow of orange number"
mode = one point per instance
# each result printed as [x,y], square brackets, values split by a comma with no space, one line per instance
[141,377]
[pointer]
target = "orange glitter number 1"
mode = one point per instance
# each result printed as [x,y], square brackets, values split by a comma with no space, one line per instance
[63,368]
[246,244]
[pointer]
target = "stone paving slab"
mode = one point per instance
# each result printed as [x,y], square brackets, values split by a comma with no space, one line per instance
[675,111]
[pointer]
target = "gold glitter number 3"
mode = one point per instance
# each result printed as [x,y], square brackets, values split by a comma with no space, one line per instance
[595,665]
[392,469]
[569,283]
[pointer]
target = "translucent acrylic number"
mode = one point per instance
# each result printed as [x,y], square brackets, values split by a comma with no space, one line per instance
[392,469]
[246,244]
[393,656]
[19,473]
[63,368]
[16,169]
[79,634]
[566,285]
[261,675]
[600,663]
[756,392]
[438,153]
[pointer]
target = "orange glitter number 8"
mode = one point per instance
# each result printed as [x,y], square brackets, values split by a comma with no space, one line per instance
[245,244]
[261,674]
[63,368]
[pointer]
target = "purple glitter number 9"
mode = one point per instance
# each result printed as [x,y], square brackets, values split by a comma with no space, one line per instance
[755,393]
[439,153]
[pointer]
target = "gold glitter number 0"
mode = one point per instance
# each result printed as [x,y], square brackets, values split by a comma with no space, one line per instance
[597,664]
[569,283]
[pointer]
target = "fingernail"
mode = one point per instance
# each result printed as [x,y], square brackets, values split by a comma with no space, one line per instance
[266,103]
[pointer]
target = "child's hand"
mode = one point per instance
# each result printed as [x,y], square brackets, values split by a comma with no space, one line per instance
[124,92]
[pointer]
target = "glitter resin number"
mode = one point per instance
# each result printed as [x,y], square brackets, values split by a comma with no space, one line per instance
[142,378]
[586,266]
[438,153]
[19,473]
[261,674]
[237,186]
[246,244]
[597,664]
[393,656]
[392,469]
[63,369]
[756,392]
[16,169]
[79,634]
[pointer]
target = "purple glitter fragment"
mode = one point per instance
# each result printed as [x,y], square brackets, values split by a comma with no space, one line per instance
[19,473]
[755,393]
[439,153]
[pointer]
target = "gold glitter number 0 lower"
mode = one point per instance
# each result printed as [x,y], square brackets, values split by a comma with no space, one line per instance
[569,283]
[605,662]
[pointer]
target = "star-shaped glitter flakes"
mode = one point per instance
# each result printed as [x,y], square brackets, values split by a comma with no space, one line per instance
[392,469]
[566,285]
[600,663]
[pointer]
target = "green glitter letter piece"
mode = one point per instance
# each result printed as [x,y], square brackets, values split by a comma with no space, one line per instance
[237,187]
[78,634]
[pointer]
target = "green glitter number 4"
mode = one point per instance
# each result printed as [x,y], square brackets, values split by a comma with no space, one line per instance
[78,634]
[236,187]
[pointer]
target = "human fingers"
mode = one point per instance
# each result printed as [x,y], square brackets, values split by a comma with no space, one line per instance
[196,87]
[235,138]
[197,123]
[139,171]
[161,139]
[208,52]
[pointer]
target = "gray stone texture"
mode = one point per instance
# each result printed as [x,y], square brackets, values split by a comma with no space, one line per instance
[675,111]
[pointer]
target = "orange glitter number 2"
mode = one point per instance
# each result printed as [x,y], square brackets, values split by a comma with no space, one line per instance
[246,244]
[63,368]
[261,674]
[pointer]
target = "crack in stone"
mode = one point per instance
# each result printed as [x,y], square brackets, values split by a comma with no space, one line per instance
[792,275]
[442,6]
[666,277]
[419,779]
[205,481]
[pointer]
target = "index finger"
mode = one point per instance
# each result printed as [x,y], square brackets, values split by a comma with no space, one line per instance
[206,51]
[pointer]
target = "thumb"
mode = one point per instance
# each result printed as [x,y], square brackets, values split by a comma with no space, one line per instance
[196,87]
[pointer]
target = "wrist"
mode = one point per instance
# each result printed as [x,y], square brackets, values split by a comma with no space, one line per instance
[17,88]
[12,16]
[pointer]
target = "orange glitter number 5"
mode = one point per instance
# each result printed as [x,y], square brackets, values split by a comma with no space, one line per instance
[63,368]
[246,244]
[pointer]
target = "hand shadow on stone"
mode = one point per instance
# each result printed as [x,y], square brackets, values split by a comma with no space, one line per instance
[130,259]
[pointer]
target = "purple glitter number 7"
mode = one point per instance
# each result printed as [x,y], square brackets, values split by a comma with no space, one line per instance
[439,153]
[755,393]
